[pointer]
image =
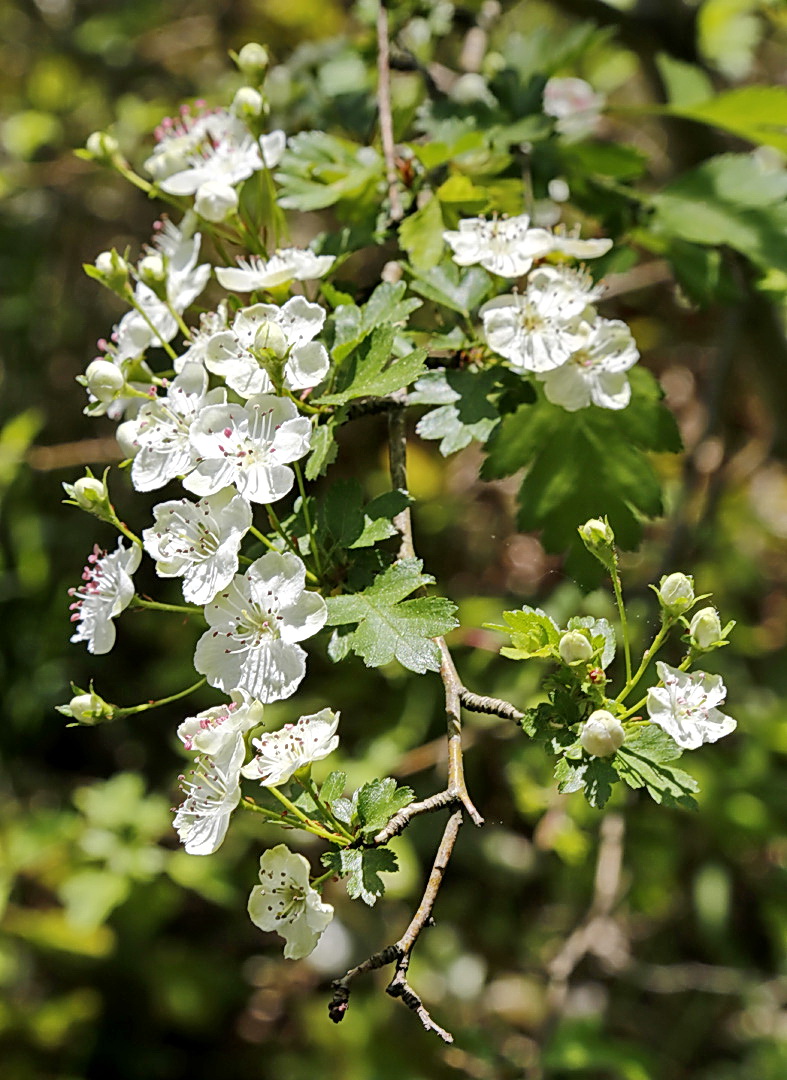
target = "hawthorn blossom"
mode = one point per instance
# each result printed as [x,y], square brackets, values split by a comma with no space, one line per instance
[210,324]
[286,331]
[212,730]
[685,706]
[539,329]
[255,625]
[286,902]
[282,753]
[206,147]
[160,431]
[249,447]
[107,591]
[183,281]
[504,246]
[594,373]
[575,105]
[288,264]
[212,794]
[199,541]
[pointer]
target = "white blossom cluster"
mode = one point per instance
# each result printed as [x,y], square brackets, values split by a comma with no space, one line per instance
[552,328]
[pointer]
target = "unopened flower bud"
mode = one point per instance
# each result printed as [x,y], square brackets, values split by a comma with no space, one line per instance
[271,338]
[574,646]
[248,102]
[599,539]
[252,61]
[126,435]
[215,200]
[113,269]
[705,628]
[151,270]
[676,593]
[104,380]
[602,734]
[87,708]
[102,146]
[90,493]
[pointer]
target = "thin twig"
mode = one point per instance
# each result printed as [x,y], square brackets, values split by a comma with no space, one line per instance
[401,950]
[397,455]
[491,706]
[384,111]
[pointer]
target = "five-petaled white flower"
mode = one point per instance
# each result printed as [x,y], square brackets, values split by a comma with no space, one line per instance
[107,590]
[199,541]
[595,372]
[286,902]
[212,794]
[504,246]
[685,706]
[575,105]
[539,329]
[249,447]
[288,330]
[255,625]
[183,281]
[210,731]
[282,753]
[210,323]
[160,430]
[285,265]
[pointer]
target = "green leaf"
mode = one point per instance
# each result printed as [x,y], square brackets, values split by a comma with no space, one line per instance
[585,464]
[533,633]
[333,787]
[421,235]
[757,113]
[377,803]
[465,412]
[323,448]
[433,154]
[389,626]
[385,307]
[595,775]
[686,84]
[454,288]
[641,762]
[320,170]
[362,868]
[345,522]
[728,200]
[374,374]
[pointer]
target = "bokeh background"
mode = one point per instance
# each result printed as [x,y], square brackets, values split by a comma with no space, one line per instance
[122,957]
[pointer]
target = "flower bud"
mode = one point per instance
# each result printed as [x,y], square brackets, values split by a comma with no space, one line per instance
[599,539]
[215,200]
[101,146]
[705,629]
[248,102]
[104,380]
[676,593]
[87,708]
[574,646]
[91,494]
[113,269]
[126,435]
[272,338]
[252,61]
[602,734]
[152,271]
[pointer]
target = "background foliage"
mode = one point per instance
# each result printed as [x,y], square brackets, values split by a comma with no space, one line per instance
[120,955]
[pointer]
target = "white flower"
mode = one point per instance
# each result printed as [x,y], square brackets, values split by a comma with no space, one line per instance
[705,628]
[575,105]
[504,246]
[210,323]
[206,147]
[161,429]
[248,447]
[254,626]
[185,280]
[199,541]
[107,590]
[289,264]
[212,730]
[286,902]
[539,329]
[282,753]
[569,243]
[686,706]
[216,200]
[212,794]
[594,374]
[298,322]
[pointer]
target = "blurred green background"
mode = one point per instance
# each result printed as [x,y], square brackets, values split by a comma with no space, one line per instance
[122,957]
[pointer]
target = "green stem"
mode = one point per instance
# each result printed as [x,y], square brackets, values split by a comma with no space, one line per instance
[164,344]
[270,815]
[179,320]
[277,525]
[157,605]
[308,823]
[133,709]
[313,544]
[634,708]
[318,881]
[122,527]
[623,620]
[647,656]
[312,410]
[262,538]
[308,785]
